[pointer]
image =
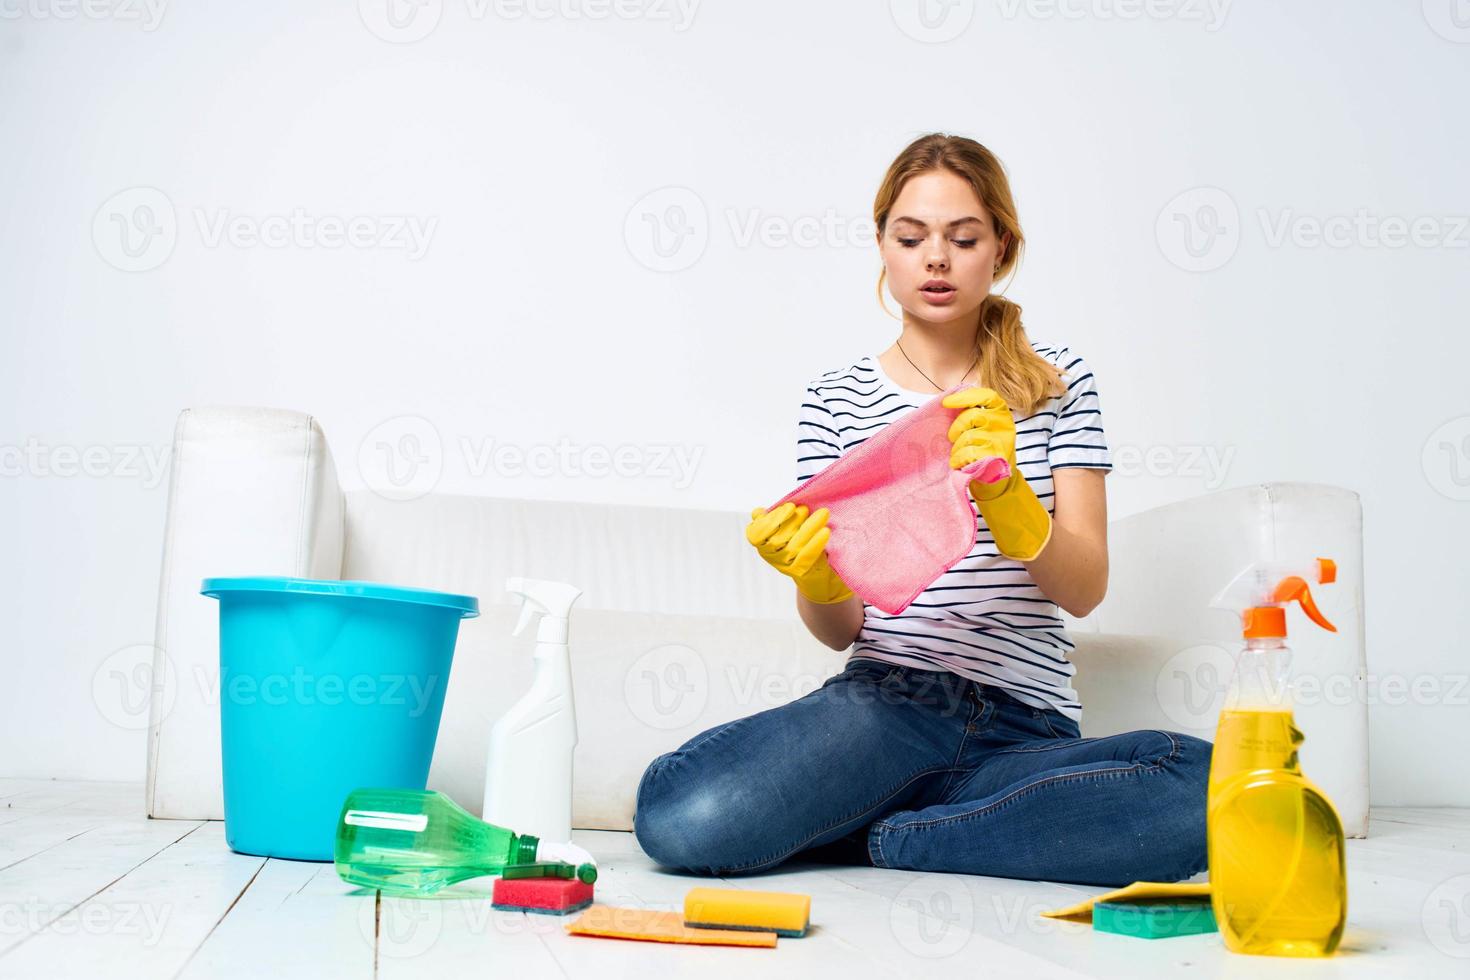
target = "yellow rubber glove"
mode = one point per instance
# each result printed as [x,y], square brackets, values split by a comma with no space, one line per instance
[1020,524]
[794,543]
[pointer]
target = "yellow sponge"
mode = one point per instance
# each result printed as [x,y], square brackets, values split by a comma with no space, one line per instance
[784,913]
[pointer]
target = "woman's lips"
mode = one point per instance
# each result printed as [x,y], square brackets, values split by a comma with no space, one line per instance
[938,297]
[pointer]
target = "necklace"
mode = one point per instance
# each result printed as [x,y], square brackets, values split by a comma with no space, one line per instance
[931,380]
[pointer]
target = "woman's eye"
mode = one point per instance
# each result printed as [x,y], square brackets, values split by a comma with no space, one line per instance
[961,242]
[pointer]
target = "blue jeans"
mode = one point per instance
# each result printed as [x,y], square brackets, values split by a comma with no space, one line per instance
[927,771]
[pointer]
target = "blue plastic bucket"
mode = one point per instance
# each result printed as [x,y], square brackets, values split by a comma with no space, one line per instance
[324,687]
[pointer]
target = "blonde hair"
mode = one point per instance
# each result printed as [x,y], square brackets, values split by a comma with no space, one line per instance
[1008,363]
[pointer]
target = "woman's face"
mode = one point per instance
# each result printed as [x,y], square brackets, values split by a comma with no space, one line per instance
[938,230]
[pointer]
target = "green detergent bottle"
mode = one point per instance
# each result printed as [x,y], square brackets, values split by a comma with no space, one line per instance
[415,842]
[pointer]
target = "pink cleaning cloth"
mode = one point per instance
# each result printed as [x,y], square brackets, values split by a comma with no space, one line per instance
[900,516]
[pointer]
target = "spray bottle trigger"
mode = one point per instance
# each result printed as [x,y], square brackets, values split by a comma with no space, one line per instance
[528,610]
[1294,587]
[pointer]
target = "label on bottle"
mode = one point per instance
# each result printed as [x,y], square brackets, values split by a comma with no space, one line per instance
[386,820]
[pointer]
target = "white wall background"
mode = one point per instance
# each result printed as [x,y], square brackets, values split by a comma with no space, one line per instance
[524,140]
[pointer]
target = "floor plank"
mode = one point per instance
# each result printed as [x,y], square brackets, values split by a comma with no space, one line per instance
[21,799]
[89,887]
[461,936]
[146,924]
[47,884]
[295,919]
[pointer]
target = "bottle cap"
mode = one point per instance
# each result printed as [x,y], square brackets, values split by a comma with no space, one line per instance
[1264,621]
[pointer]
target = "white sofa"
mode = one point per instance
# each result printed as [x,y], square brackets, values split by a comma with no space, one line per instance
[681,626]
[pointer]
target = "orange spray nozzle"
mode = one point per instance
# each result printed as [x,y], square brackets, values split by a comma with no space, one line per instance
[1263,590]
[1294,587]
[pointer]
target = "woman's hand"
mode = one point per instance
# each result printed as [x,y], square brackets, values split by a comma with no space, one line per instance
[984,428]
[1016,518]
[794,543]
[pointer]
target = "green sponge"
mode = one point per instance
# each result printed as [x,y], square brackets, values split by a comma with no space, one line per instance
[586,873]
[1160,920]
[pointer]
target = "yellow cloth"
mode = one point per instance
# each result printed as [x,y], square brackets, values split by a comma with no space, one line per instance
[1019,523]
[1140,892]
[660,927]
[793,541]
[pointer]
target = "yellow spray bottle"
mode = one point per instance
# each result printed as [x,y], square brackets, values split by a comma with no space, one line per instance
[1278,879]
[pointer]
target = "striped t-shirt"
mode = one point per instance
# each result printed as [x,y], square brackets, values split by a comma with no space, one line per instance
[984,618]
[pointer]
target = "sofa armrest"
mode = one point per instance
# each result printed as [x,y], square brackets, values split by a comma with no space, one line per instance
[252,491]
[1168,563]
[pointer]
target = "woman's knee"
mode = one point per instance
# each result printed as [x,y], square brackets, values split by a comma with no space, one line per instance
[1192,763]
[1183,852]
[1182,755]
[681,822]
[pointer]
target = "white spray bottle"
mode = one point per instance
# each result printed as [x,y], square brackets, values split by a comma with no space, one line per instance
[528,777]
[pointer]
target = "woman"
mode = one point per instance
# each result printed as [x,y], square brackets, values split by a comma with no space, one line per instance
[951,741]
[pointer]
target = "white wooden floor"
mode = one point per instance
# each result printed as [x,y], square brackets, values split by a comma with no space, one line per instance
[90,888]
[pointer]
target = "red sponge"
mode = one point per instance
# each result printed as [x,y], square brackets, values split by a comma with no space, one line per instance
[549,896]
